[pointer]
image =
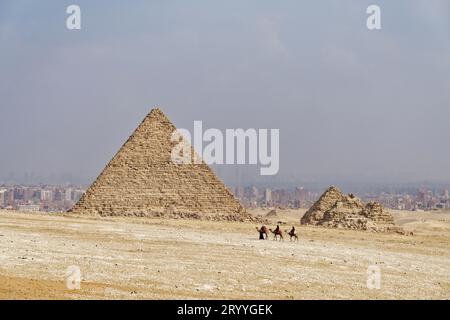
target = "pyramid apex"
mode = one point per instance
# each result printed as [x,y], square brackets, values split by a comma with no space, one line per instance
[157,113]
[332,188]
[156,110]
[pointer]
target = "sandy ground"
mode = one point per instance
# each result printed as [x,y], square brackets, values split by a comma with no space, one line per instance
[140,258]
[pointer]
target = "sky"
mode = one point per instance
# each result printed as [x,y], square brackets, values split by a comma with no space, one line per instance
[351,104]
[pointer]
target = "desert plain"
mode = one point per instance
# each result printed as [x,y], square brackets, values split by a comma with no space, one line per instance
[154,258]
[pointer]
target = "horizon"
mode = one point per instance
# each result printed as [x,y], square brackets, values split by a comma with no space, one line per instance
[349,186]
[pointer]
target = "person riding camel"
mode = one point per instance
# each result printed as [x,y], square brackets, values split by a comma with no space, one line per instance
[292,234]
[277,233]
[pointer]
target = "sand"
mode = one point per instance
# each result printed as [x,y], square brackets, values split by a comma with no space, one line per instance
[141,258]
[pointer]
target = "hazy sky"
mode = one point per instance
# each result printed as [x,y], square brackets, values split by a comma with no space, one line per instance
[350,103]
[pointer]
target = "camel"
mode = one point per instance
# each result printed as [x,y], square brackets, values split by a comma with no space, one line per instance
[292,234]
[263,231]
[277,233]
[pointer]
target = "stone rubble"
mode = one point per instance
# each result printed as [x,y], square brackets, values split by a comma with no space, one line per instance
[337,210]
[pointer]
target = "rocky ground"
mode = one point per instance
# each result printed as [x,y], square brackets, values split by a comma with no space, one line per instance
[142,258]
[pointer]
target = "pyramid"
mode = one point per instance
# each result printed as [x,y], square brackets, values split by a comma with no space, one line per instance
[272,213]
[335,209]
[315,214]
[142,180]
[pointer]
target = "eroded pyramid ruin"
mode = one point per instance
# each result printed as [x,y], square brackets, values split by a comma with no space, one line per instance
[142,180]
[335,209]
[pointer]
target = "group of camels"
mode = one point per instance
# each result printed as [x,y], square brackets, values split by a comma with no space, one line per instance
[277,233]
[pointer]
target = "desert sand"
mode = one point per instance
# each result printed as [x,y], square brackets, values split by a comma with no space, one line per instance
[149,258]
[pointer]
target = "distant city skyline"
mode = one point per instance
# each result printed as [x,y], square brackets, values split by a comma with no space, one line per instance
[248,179]
[353,106]
[57,198]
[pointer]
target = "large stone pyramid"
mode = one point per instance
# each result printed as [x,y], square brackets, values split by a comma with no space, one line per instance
[335,209]
[142,180]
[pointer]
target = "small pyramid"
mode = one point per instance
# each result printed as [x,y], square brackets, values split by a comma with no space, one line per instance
[142,180]
[337,210]
[272,213]
[325,202]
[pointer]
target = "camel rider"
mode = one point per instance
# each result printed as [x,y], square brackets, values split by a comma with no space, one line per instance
[292,231]
[277,228]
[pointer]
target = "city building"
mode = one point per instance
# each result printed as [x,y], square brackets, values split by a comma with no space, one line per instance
[28,207]
[3,198]
[267,196]
[46,195]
